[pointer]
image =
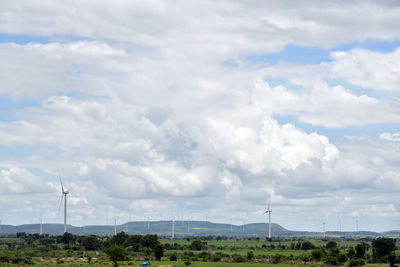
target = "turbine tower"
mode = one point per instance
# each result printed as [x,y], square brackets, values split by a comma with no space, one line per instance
[64,195]
[41,226]
[323,228]
[173,228]
[269,220]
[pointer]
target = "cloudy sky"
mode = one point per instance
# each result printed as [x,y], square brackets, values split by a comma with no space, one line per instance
[201,109]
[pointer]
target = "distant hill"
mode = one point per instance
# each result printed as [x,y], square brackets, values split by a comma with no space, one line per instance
[184,228]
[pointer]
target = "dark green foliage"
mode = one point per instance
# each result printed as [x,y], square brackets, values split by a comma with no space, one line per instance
[158,251]
[342,258]
[173,257]
[91,243]
[316,254]
[277,258]
[330,260]
[21,260]
[361,249]
[331,244]
[351,253]
[356,262]
[250,255]
[334,252]
[382,248]
[217,257]
[116,253]
[150,241]
[307,245]
[197,245]
[68,238]
[304,258]
[119,239]
[135,242]
[4,258]
[238,258]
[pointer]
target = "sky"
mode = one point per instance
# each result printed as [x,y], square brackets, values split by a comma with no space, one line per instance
[200,110]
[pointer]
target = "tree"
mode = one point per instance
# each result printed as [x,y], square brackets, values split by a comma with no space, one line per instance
[351,252]
[116,253]
[331,244]
[91,242]
[250,255]
[135,242]
[197,245]
[150,241]
[316,254]
[306,245]
[382,247]
[158,251]
[361,249]
[119,239]
[68,238]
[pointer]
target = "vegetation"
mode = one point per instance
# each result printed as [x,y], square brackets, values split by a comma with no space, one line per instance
[125,250]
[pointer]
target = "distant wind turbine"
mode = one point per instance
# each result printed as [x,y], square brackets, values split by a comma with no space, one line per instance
[323,228]
[173,229]
[64,195]
[269,220]
[41,227]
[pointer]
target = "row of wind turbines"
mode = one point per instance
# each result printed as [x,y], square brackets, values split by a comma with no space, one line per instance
[65,193]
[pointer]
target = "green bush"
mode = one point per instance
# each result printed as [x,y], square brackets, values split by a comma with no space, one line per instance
[330,260]
[342,258]
[316,254]
[216,258]
[173,257]
[356,262]
[277,258]
[238,258]
[4,258]
[250,255]
[306,245]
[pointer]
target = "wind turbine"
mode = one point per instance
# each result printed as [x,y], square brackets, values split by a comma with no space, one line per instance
[173,228]
[323,228]
[269,220]
[41,226]
[64,195]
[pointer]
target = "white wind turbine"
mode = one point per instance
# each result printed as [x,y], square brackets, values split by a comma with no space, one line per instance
[64,195]
[269,220]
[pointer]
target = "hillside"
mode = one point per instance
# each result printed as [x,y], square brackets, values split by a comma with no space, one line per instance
[184,228]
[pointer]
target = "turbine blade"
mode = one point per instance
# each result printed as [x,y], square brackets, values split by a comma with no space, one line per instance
[59,205]
[62,188]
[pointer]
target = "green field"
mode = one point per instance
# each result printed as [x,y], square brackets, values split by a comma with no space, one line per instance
[191,251]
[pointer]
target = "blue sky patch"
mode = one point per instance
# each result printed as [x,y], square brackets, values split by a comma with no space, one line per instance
[22,39]
[336,133]
[298,54]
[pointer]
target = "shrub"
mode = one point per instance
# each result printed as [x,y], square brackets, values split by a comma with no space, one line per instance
[173,257]
[216,258]
[356,262]
[277,258]
[331,244]
[316,254]
[342,258]
[306,245]
[330,260]
[4,258]
[238,258]
[250,255]
[304,258]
